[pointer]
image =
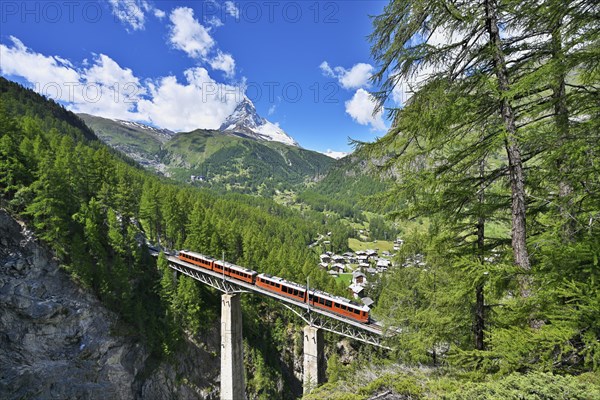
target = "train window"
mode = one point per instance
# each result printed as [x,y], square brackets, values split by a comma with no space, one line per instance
[328,303]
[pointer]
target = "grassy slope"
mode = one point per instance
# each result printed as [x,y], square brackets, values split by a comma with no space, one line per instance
[237,160]
[230,162]
[123,137]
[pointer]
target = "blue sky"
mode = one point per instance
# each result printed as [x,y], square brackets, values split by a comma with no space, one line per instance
[183,65]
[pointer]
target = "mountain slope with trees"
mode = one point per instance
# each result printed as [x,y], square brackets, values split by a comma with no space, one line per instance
[221,160]
[95,209]
[498,148]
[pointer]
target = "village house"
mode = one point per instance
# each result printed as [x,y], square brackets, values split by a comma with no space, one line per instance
[364,265]
[357,291]
[338,259]
[358,278]
[339,268]
[367,301]
[350,258]
[371,253]
[325,258]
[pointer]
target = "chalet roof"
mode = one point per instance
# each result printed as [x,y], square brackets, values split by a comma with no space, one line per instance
[367,301]
[383,263]
[356,288]
[356,274]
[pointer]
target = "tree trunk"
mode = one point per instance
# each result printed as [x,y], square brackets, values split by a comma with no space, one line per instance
[561,120]
[513,150]
[479,298]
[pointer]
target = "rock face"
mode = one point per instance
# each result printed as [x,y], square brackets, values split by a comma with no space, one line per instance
[245,120]
[56,340]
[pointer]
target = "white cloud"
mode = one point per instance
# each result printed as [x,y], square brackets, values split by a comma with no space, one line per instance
[102,87]
[232,9]
[272,109]
[223,62]
[214,22]
[109,90]
[358,76]
[18,60]
[327,71]
[160,14]
[353,78]
[335,154]
[130,12]
[189,35]
[200,103]
[360,107]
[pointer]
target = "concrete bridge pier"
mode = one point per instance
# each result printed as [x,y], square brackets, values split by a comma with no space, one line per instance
[314,366]
[232,358]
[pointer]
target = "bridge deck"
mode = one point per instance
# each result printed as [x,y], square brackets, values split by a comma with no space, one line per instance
[373,327]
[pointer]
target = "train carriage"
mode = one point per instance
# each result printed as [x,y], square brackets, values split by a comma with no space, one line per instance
[315,298]
[197,259]
[281,286]
[339,305]
[234,271]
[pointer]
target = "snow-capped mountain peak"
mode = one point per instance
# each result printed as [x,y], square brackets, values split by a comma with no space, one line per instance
[245,120]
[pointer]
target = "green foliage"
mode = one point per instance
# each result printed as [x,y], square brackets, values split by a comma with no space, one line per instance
[96,209]
[348,188]
[227,162]
[401,385]
[534,386]
[187,304]
[422,384]
[494,144]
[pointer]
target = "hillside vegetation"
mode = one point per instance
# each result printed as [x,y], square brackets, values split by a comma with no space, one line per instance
[95,208]
[222,161]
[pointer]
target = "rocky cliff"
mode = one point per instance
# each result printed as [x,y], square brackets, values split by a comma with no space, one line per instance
[57,340]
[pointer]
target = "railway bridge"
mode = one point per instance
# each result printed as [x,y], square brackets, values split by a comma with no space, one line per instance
[317,321]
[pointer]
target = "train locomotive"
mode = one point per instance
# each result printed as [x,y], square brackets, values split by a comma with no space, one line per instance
[280,286]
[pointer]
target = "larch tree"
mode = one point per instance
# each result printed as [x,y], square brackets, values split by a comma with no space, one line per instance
[460,43]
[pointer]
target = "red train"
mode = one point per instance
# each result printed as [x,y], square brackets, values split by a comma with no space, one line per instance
[315,298]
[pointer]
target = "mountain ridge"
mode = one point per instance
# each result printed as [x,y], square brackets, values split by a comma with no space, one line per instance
[228,159]
[245,120]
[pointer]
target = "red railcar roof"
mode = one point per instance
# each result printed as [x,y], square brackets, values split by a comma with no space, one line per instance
[282,281]
[339,300]
[235,267]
